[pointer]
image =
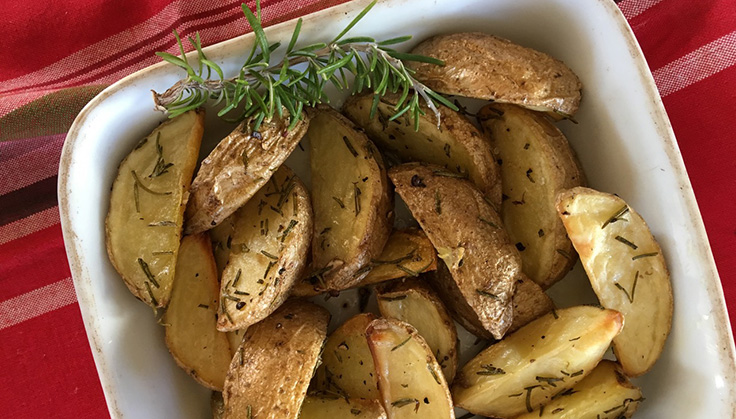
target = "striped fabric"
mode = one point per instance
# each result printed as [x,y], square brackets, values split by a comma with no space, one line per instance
[58,55]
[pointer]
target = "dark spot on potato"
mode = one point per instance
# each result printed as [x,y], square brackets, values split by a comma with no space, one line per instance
[417,182]
[520,246]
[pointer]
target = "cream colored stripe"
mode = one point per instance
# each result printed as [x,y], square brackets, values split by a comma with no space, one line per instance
[698,65]
[27,306]
[29,225]
[633,8]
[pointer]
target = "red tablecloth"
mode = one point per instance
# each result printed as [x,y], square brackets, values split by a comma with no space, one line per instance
[56,55]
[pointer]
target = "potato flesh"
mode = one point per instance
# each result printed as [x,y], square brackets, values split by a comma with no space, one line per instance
[633,281]
[347,364]
[537,162]
[268,251]
[352,207]
[270,373]
[410,380]
[408,251]
[315,407]
[147,203]
[456,145]
[238,167]
[415,303]
[604,394]
[530,366]
[191,316]
[467,233]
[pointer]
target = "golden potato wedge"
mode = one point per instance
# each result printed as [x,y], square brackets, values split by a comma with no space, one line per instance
[268,251]
[456,144]
[626,268]
[238,167]
[234,339]
[347,365]
[604,394]
[269,376]
[222,237]
[414,302]
[530,366]
[217,405]
[467,233]
[410,380]
[316,407]
[191,317]
[407,252]
[147,204]
[353,208]
[529,302]
[536,163]
[484,66]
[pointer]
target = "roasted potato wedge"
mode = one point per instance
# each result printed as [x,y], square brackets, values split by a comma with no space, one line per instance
[270,373]
[347,365]
[353,208]
[488,67]
[530,366]
[414,302]
[627,270]
[467,233]
[147,204]
[456,144]
[407,252]
[529,302]
[315,407]
[222,237]
[536,163]
[268,251]
[238,167]
[191,317]
[234,339]
[410,380]
[604,394]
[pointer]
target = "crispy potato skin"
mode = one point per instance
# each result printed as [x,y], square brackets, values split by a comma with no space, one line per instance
[264,261]
[456,144]
[400,244]
[238,166]
[606,394]
[191,336]
[353,203]
[143,224]
[270,373]
[529,302]
[467,232]
[537,163]
[410,380]
[484,66]
[626,269]
[415,302]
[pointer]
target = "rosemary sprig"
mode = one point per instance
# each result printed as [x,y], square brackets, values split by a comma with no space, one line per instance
[264,88]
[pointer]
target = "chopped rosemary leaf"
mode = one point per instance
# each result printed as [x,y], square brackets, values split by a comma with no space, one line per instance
[164,223]
[291,225]
[231,298]
[150,293]
[161,165]
[549,380]
[356,196]
[404,402]
[616,217]
[434,374]
[244,158]
[563,393]
[237,277]
[147,272]
[276,210]
[236,292]
[349,146]
[630,297]
[339,202]
[401,344]
[141,143]
[529,175]
[269,255]
[576,373]
[268,268]
[412,272]
[490,223]
[144,187]
[136,197]
[644,255]
[446,148]
[163,252]
[563,253]
[486,293]
[446,173]
[489,369]
[529,397]
[437,202]
[203,306]
[626,242]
